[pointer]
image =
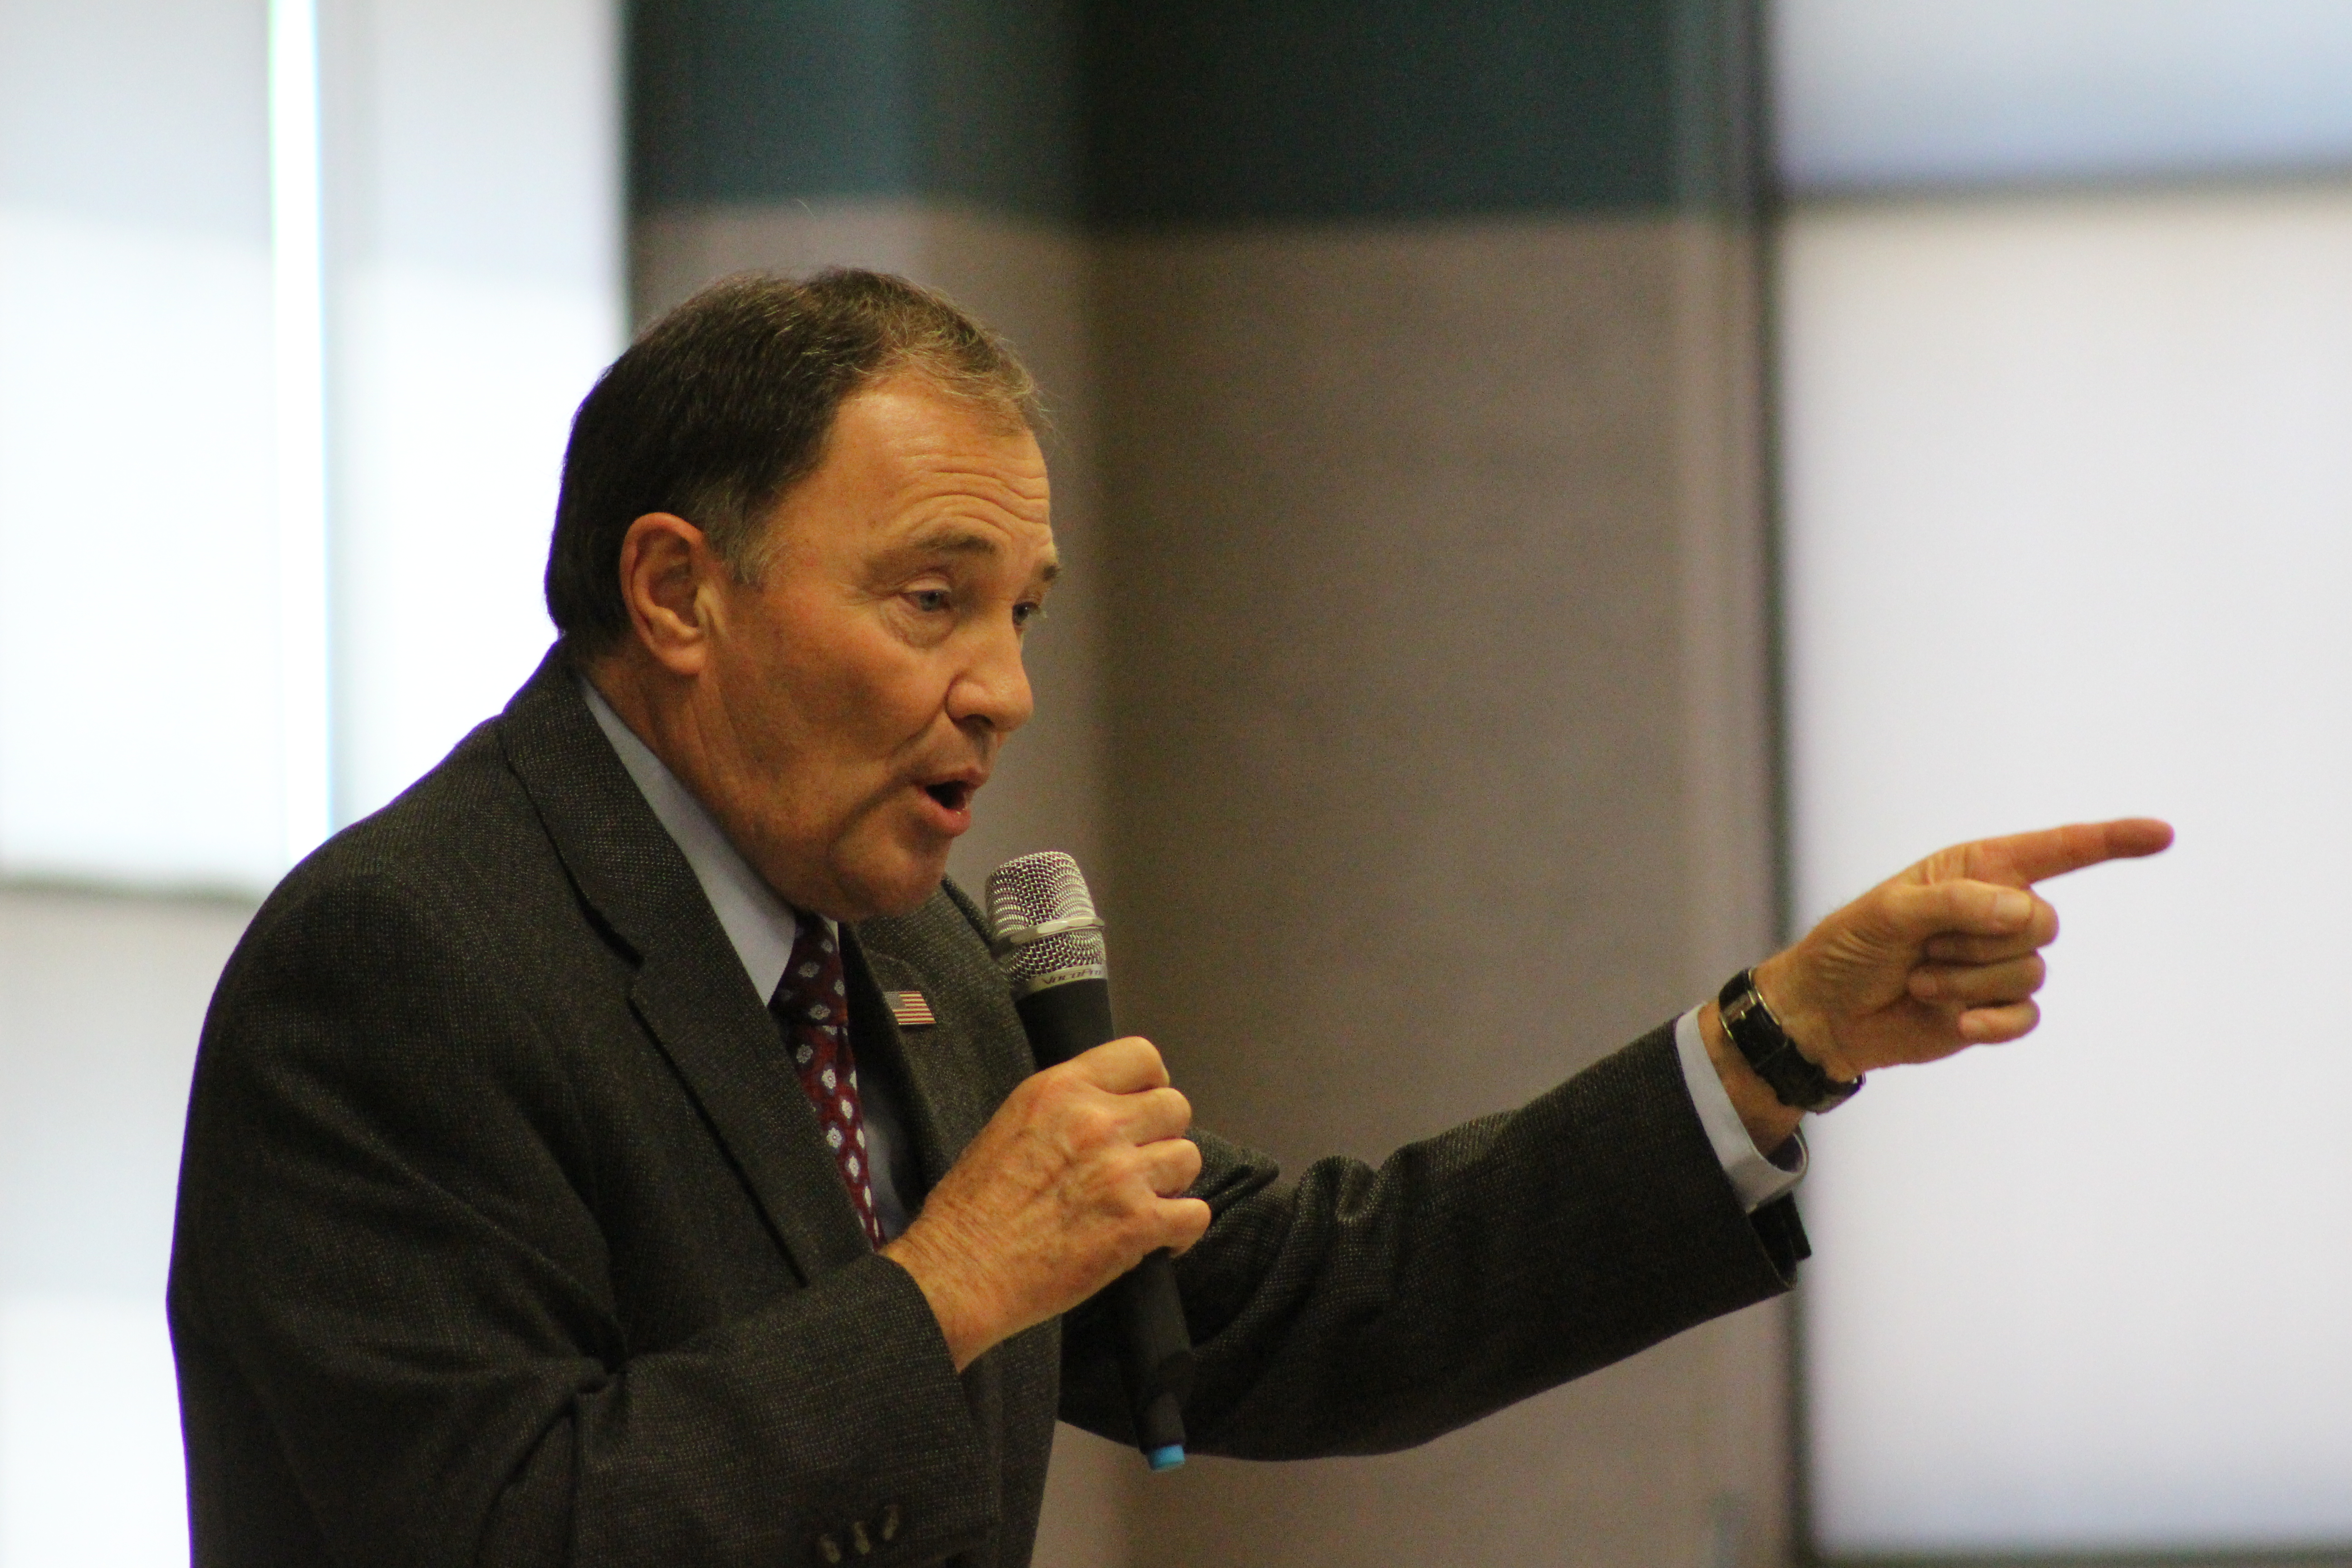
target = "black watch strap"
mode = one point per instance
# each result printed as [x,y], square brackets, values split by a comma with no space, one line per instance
[1794,1081]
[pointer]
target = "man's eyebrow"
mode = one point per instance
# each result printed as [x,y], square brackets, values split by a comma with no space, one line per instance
[953,541]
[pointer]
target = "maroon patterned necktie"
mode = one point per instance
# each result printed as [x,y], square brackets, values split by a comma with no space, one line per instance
[812,1007]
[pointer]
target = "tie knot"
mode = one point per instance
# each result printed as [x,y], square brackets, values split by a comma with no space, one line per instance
[812,990]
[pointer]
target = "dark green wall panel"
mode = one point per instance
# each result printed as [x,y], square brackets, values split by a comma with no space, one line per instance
[1004,124]
[741,99]
[1128,112]
[753,101]
[1226,110]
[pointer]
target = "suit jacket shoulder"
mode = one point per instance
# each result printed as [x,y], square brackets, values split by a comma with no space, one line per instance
[506,1233]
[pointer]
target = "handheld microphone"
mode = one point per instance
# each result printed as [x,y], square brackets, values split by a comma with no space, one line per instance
[1049,942]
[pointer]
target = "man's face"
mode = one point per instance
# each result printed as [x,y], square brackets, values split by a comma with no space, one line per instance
[857,696]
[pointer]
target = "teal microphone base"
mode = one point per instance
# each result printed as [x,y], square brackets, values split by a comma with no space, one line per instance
[1166,1458]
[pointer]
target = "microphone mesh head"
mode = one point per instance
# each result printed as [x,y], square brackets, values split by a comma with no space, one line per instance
[1042,890]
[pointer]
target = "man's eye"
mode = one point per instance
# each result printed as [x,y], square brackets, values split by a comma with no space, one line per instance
[932,601]
[1024,613]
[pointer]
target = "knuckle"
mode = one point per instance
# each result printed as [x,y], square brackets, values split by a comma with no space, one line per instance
[1066,1106]
[1127,1209]
[1092,1126]
[1128,1062]
[1031,1099]
[1055,1083]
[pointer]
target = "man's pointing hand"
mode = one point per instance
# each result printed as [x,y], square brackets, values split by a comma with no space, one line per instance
[1945,956]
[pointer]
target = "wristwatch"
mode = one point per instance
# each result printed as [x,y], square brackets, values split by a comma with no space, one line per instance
[1795,1082]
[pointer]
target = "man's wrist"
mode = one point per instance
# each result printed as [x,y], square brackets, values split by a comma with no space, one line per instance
[1770,1123]
[1806,1026]
[960,1323]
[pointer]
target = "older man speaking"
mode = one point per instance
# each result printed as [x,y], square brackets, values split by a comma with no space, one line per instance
[623,1150]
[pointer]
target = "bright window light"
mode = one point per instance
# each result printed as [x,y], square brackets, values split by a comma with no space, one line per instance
[141,719]
[90,1473]
[1878,93]
[296,299]
[476,277]
[289,341]
[103,998]
[297,282]
[2070,535]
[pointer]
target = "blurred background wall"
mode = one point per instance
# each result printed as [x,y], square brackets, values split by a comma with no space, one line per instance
[1528,530]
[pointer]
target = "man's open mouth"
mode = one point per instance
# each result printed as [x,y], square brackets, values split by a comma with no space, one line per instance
[952,793]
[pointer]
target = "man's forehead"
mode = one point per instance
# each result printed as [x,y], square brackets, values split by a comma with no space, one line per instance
[911,474]
[914,440]
[912,413]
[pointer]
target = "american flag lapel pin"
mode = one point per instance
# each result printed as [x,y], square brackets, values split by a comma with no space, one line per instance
[908,1009]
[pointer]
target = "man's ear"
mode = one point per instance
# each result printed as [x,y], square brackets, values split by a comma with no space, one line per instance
[666,581]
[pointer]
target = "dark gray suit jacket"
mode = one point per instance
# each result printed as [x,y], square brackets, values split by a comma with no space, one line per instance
[506,1235]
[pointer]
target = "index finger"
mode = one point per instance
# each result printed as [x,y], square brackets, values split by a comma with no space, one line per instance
[2023,858]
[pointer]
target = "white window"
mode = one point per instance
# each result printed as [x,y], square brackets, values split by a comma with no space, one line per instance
[295,305]
[2069,533]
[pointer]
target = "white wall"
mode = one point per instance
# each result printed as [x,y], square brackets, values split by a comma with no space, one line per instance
[2070,534]
[100,998]
[1897,94]
[154,732]
[474,255]
[140,720]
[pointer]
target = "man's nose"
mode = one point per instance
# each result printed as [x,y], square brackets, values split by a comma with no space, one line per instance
[994,688]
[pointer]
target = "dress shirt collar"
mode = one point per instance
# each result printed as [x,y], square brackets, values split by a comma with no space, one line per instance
[759,925]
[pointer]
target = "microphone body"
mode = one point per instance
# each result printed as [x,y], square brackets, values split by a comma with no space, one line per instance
[1050,944]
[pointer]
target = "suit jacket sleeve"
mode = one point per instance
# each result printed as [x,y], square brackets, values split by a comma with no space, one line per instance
[389,1276]
[1361,1309]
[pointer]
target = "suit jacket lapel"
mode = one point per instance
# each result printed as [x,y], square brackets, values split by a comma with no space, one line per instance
[954,1072]
[690,990]
[877,1039]
[959,1069]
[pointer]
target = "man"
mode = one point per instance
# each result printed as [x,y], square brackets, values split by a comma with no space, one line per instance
[541,1205]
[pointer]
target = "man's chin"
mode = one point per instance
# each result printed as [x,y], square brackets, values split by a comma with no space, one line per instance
[900,887]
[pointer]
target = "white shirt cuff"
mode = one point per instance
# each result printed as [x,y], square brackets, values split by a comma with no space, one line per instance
[1755,1177]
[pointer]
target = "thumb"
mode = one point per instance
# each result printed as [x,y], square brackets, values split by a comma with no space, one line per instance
[1915,911]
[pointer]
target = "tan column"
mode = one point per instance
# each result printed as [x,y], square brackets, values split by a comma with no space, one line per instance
[1439,767]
